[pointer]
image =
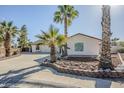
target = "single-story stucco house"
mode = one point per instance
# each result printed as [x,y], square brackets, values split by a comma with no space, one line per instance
[78,44]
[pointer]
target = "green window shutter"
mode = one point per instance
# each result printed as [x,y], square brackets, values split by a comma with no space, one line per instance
[79,46]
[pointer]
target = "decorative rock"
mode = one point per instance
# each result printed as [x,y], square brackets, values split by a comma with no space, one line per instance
[82,72]
[107,70]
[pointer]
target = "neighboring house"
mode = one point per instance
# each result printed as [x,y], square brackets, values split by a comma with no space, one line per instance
[78,44]
[39,48]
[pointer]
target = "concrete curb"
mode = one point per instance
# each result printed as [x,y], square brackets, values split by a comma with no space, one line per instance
[94,74]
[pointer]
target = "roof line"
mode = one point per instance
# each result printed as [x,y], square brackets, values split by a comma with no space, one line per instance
[34,43]
[85,35]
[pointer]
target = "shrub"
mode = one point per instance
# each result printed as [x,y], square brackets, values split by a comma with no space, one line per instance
[15,53]
[121,50]
[121,43]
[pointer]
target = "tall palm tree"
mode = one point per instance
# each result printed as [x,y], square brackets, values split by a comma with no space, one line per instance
[7,32]
[105,59]
[52,38]
[23,39]
[65,14]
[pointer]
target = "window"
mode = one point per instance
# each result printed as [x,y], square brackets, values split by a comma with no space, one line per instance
[79,46]
[37,47]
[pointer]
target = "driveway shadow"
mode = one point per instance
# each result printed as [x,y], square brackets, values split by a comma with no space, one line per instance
[12,77]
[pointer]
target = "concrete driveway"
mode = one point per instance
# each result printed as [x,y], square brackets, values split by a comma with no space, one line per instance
[20,62]
[25,71]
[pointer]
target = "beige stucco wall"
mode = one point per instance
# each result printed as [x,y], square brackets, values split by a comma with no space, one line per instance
[33,48]
[91,46]
[44,48]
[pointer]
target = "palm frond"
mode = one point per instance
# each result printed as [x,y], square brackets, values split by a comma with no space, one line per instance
[9,24]
[69,22]
[62,8]
[61,40]
[58,17]
[52,37]
[53,31]
[3,23]
[67,11]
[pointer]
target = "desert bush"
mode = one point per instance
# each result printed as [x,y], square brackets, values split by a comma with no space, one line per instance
[121,50]
[15,53]
[121,43]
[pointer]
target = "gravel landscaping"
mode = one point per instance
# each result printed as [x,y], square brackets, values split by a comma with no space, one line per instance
[115,60]
[76,64]
[85,63]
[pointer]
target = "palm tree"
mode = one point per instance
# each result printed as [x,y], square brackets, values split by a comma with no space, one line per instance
[105,59]
[7,31]
[53,39]
[65,14]
[23,39]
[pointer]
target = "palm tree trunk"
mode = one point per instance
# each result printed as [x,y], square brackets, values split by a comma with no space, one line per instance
[105,59]
[7,44]
[66,35]
[53,54]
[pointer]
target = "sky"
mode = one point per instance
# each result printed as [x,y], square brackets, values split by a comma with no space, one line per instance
[38,18]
